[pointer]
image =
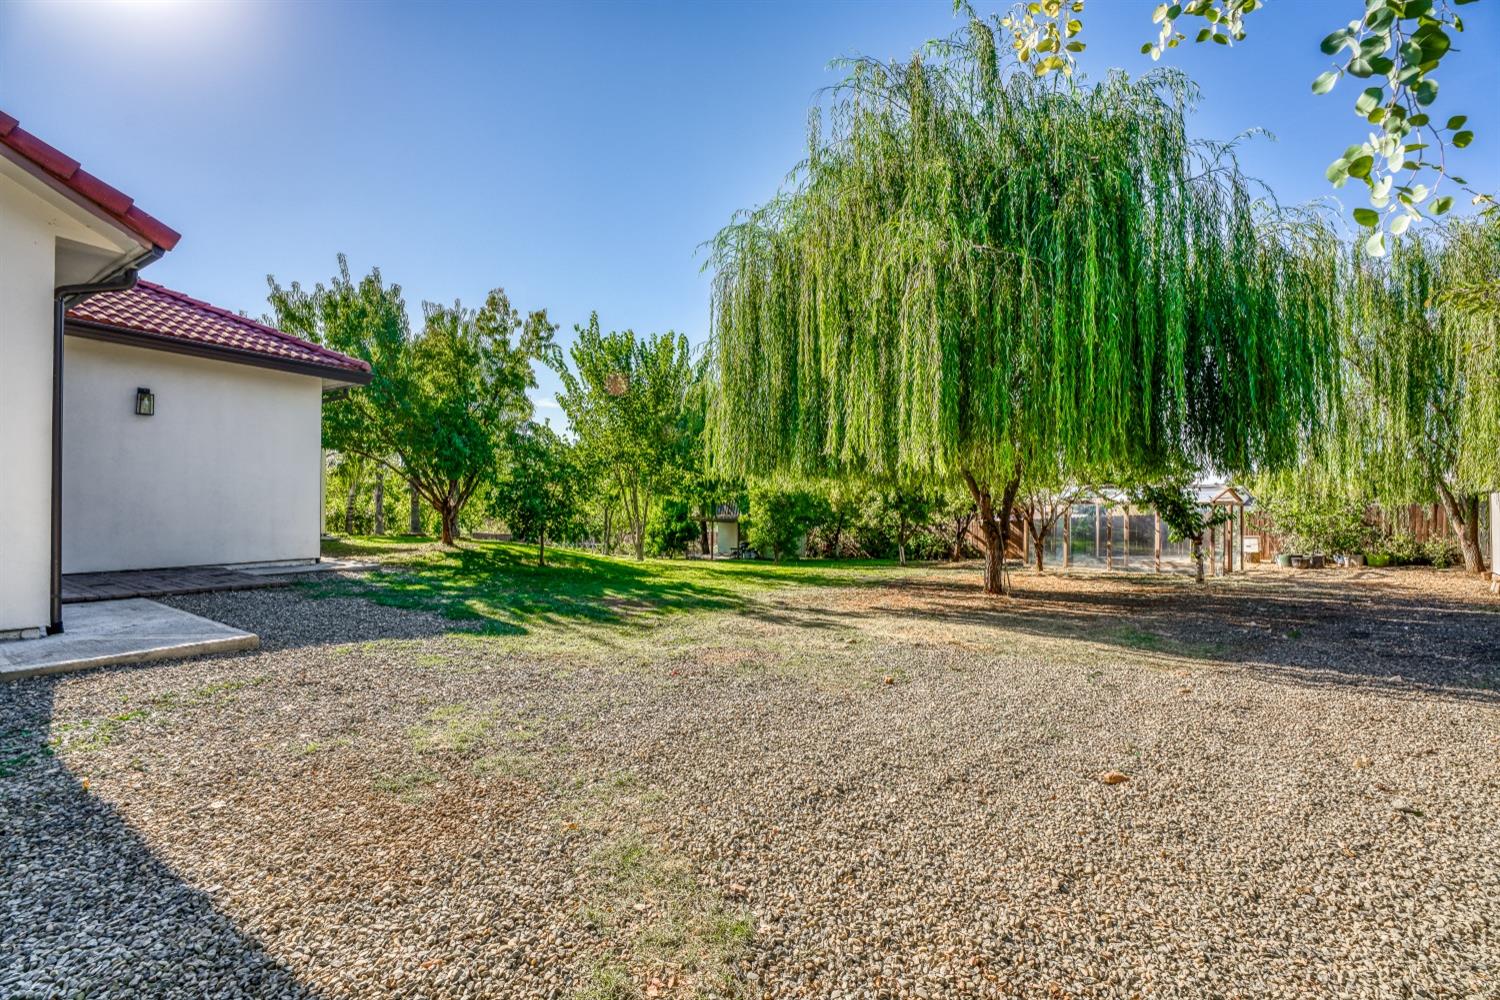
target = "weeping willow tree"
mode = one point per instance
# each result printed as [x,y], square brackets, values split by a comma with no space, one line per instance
[1422,351]
[975,273]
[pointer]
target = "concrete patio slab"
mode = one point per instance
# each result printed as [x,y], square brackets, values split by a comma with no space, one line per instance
[309,568]
[102,633]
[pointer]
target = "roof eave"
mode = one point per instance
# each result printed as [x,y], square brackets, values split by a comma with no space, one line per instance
[339,377]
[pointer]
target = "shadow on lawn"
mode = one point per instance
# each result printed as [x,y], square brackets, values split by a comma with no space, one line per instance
[1338,629]
[91,910]
[500,588]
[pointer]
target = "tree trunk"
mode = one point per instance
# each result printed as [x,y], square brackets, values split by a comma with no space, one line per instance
[450,523]
[1036,547]
[901,541]
[349,505]
[995,534]
[414,521]
[1463,513]
[541,547]
[640,541]
[703,538]
[380,504]
[1198,557]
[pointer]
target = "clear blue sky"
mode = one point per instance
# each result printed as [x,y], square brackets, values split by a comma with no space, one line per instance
[574,154]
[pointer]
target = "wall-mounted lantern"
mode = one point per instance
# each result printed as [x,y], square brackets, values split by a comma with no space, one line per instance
[145,402]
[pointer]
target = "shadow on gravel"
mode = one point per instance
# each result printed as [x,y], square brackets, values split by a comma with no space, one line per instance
[86,907]
[1334,630]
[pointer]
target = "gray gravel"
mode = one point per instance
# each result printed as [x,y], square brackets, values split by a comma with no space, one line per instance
[885,792]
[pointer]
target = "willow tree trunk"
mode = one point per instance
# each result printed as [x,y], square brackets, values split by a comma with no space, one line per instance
[380,504]
[995,534]
[450,522]
[541,547]
[1463,513]
[414,518]
[1037,537]
[1198,557]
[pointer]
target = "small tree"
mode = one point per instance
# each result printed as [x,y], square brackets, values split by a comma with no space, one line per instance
[780,518]
[671,527]
[539,494]
[956,512]
[1185,518]
[905,510]
[624,396]
[441,402]
[1042,505]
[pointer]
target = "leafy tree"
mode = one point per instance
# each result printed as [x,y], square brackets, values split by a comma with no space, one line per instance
[1419,417]
[1394,47]
[978,273]
[671,526]
[539,494]
[440,402]
[845,504]
[955,512]
[624,396]
[698,484]
[1044,501]
[1313,517]
[1186,519]
[780,517]
[905,510]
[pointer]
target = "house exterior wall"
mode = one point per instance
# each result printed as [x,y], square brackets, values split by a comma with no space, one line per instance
[228,470]
[29,230]
[1495,535]
[724,536]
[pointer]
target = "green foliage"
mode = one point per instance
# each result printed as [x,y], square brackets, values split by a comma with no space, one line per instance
[441,402]
[1186,519]
[540,493]
[1441,551]
[1394,46]
[1400,547]
[780,518]
[1423,382]
[903,510]
[625,396]
[671,527]
[1314,520]
[975,271]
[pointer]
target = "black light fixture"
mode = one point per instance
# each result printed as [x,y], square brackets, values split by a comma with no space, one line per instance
[145,402]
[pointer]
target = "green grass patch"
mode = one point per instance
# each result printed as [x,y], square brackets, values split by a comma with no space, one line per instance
[650,905]
[451,729]
[409,786]
[499,587]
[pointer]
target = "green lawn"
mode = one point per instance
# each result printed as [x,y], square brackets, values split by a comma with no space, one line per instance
[500,586]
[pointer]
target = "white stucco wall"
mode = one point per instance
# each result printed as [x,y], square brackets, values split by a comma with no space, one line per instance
[227,470]
[30,226]
[1495,534]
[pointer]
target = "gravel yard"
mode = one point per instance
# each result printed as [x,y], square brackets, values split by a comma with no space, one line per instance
[1272,786]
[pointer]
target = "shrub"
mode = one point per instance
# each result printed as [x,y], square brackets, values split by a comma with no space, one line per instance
[671,528]
[1401,546]
[1442,551]
[1311,523]
[780,519]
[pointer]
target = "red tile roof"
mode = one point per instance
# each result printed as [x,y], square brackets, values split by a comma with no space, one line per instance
[116,206]
[159,312]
